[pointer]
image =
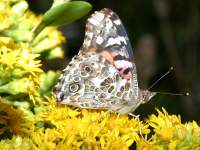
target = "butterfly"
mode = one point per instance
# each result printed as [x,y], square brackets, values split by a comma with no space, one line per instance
[103,74]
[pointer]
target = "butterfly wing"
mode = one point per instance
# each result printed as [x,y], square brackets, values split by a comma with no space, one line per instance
[102,75]
[105,31]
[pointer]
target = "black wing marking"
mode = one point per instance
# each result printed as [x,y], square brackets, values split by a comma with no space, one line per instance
[105,31]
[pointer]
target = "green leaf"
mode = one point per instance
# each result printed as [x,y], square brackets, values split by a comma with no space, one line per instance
[63,14]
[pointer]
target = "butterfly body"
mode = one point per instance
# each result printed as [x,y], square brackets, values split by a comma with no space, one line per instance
[102,75]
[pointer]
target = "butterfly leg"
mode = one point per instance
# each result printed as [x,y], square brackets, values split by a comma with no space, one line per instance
[137,117]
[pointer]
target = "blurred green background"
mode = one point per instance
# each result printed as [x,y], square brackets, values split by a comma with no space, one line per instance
[163,33]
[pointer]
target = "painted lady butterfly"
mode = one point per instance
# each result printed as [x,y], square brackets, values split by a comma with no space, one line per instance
[102,75]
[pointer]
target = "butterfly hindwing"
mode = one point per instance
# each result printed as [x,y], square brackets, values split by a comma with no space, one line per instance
[90,81]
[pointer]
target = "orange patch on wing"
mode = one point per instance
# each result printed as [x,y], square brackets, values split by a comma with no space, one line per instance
[92,49]
[107,55]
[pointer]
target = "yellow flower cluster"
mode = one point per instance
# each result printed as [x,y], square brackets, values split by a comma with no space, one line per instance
[18,23]
[19,70]
[73,128]
[13,121]
[63,127]
[171,134]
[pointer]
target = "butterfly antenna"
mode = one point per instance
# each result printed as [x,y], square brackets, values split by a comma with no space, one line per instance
[176,94]
[168,72]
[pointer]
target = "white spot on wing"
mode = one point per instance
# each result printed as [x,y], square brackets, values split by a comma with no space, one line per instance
[96,81]
[89,35]
[112,41]
[96,18]
[123,64]
[99,40]
[117,40]
[117,22]
[99,16]
[93,21]
[121,38]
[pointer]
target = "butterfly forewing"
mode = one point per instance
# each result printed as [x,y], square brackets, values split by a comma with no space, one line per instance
[106,35]
[105,31]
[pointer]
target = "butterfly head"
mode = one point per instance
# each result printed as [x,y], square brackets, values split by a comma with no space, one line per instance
[146,95]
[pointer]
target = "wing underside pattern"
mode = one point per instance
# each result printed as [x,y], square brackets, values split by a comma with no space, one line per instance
[104,31]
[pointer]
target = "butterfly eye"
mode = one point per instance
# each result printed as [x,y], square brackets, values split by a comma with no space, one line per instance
[74,87]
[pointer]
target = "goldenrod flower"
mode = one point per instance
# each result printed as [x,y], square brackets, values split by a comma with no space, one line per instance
[19,70]
[170,133]
[18,23]
[79,128]
[12,120]
[17,143]
[60,126]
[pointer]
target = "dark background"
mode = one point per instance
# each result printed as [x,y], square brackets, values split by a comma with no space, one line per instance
[163,33]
